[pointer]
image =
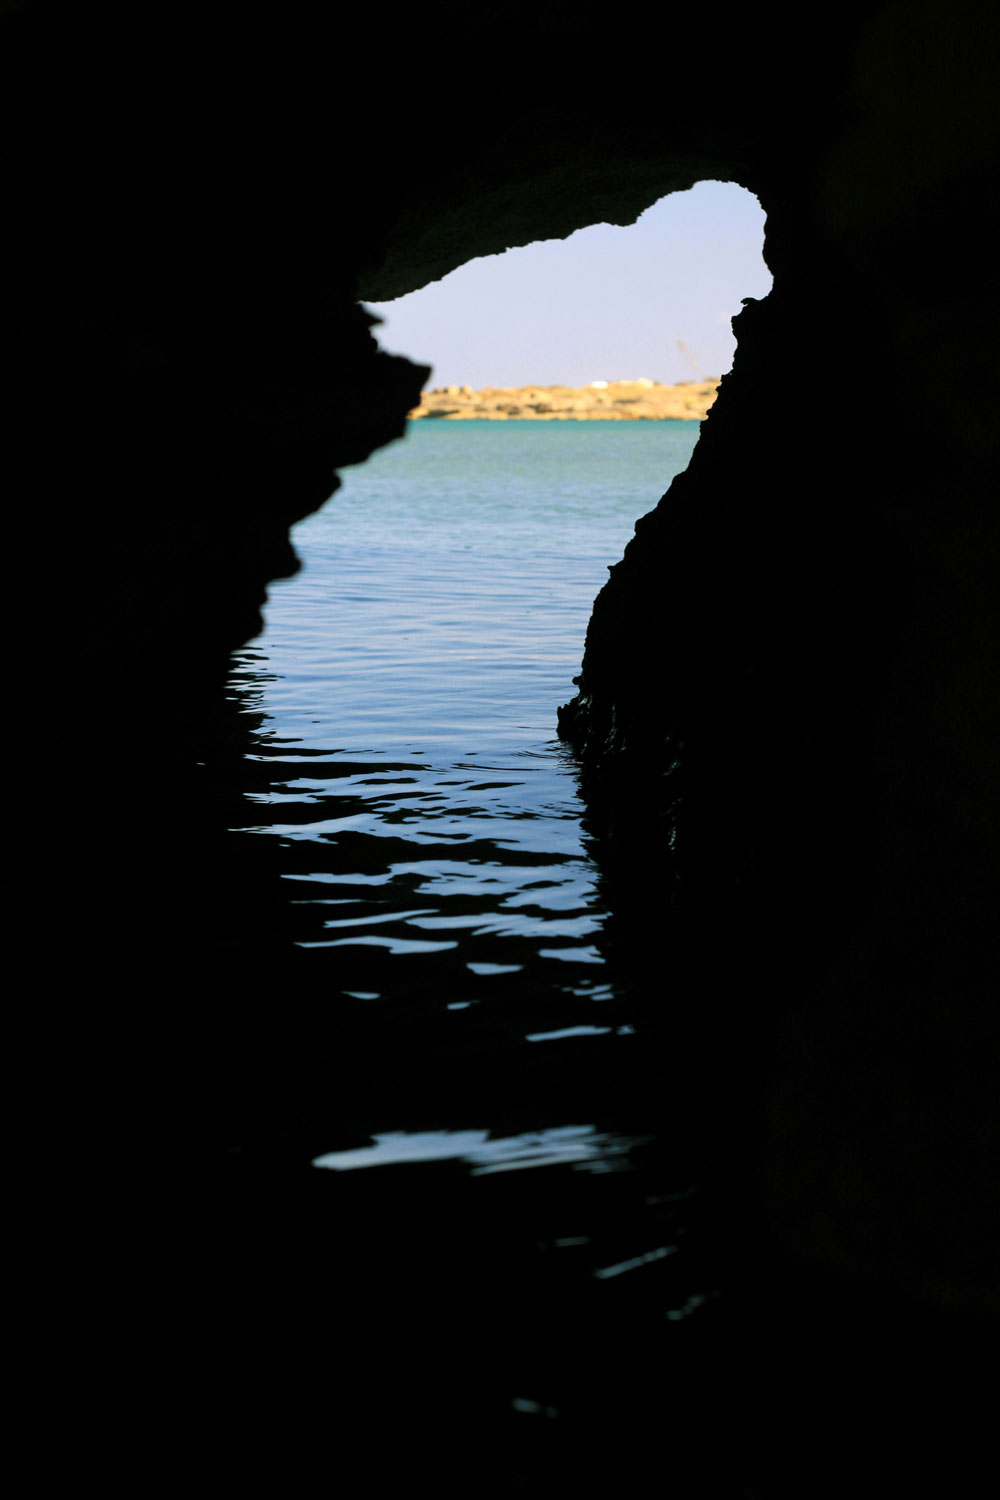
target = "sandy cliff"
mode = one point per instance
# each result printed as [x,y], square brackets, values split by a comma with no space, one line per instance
[604,401]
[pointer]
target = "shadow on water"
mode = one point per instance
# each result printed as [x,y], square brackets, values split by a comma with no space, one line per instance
[486,1161]
[451,927]
[480,1215]
[455,1189]
[481,1203]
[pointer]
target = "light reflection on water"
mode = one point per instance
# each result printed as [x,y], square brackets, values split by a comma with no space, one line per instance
[579,1145]
[428,822]
[464,1088]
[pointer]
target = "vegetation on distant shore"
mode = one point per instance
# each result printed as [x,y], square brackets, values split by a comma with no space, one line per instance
[602,400]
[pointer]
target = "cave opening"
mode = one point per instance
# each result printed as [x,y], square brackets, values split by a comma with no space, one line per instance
[425,817]
[614,323]
[471,1018]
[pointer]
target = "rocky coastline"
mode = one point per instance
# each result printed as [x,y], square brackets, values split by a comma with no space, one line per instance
[601,401]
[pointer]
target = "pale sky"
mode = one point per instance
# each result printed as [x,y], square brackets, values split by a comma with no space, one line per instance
[605,304]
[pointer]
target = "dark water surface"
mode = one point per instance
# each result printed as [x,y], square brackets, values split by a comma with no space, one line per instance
[429,822]
[485,1222]
[512,1144]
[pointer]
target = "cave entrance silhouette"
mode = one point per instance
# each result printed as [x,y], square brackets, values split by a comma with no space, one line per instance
[634,320]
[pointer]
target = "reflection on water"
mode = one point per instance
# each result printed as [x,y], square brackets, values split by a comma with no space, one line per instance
[481,1218]
[391,860]
[428,825]
[504,1146]
[578,1144]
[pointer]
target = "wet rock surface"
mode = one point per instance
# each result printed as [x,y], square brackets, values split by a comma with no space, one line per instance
[786,720]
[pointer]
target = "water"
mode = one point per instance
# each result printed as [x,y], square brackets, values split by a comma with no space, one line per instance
[446,589]
[408,679]
[482,1096]
[484,1221]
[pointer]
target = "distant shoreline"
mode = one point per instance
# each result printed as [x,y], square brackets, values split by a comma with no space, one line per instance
[602,401]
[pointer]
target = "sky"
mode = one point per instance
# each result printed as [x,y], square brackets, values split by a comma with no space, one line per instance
[605,304]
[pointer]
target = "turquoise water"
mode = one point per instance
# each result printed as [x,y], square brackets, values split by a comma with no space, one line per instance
[428,819]
[501,1139]
[445,590]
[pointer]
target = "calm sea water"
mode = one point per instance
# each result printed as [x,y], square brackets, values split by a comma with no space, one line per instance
[500,1139]
[409,677]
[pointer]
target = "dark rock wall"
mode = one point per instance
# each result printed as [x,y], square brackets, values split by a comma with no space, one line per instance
[809,626]
[893,1065]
